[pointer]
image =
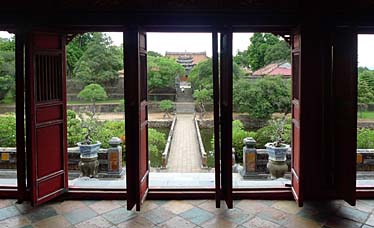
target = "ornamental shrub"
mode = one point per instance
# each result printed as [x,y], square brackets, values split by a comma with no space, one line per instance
[365,138]
[238,134]
[8,130]
[264,135]
[74,130]
[156,145]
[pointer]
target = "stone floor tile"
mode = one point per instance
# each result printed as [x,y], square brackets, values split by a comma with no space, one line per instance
[40,213]
[195,202]
[122,203]
[236,215]
[148,206]
[274,215]
[158,215]
[96,222]
[177,222]
[160,202]
[103,206]
[80,215]
[24,207]
[56,222]
[296,221]
[252,206]
[210,206]
[337,222]
[362,206]
[68,206]
[8,212]
[17,221]
[257,222]
[177,206]
[366,226]
[119,215]
[6,203]
[137,222]
[287,206]
[218,222]
[197,215]
[352,214]
[370,220]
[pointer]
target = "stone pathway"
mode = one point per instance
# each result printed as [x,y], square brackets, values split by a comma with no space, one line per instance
[184,152]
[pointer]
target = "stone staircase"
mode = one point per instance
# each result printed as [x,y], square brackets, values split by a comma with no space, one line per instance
[185,96]
[185,107]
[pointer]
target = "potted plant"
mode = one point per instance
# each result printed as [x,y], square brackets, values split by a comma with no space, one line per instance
[88,148]
[277,150]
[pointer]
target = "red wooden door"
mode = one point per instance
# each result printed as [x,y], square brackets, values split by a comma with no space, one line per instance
[296,177]
[226,116]
[345,112]
[137,166]
[47,143]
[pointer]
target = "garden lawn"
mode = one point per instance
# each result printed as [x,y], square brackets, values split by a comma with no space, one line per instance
[365,115]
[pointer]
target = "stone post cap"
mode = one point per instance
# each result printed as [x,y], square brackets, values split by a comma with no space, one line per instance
[249,142]
[114,141]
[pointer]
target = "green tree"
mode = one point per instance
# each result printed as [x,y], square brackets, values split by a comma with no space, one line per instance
[153,54]
[162,72]
[7,70]
[100,63]
[266,48]
[202,97]
[242,58]
[93,93]
[201,76]
[166,106]
[262,97]
[75,50]
[364,95]
[156,143]
[8,130]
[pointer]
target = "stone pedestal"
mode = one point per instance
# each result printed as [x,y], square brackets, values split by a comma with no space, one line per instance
[249,158]
[89,167]
[277,169]
[115,157]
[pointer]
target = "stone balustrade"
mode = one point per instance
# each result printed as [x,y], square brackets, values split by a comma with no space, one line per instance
[165,154]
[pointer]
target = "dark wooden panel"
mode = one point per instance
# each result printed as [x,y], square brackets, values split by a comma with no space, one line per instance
[49,113]
[49,150]
[226,116]
[50,185]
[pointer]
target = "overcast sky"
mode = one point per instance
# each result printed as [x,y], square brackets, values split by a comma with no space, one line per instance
[196,42]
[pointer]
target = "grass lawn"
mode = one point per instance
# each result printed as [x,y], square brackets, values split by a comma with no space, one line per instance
[112,101]
[365,115]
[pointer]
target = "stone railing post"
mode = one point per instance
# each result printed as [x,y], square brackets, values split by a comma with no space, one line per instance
[249,157]
[115,157]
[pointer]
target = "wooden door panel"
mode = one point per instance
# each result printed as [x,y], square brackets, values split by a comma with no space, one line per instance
[296,172]
[137,166]
[226,117]
[345,112]
[47,111]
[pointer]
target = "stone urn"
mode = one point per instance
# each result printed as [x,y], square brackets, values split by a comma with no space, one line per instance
[89,164]
[277,165]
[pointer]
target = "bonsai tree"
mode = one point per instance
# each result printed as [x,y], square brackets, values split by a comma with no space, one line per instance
[89,126]
[201,98]
[93,93]
[277,135]
[166,106]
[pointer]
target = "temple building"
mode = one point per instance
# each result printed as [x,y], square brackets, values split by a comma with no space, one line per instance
[187,59]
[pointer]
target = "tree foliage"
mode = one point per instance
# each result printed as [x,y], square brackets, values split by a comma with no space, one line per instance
[156,144]
[167,107]
[153,54]
[201,76]
[93,93]
[262,97]
[7,69]
[202,97]
[101,61]
[162,72]
[8,130]
[265,48]
[75,50]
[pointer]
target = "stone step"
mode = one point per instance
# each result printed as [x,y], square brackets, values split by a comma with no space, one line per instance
[185,107]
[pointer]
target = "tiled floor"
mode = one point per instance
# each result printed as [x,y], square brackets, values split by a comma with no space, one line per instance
[189,213]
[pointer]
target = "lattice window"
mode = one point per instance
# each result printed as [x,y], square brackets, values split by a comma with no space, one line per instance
[48,77]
